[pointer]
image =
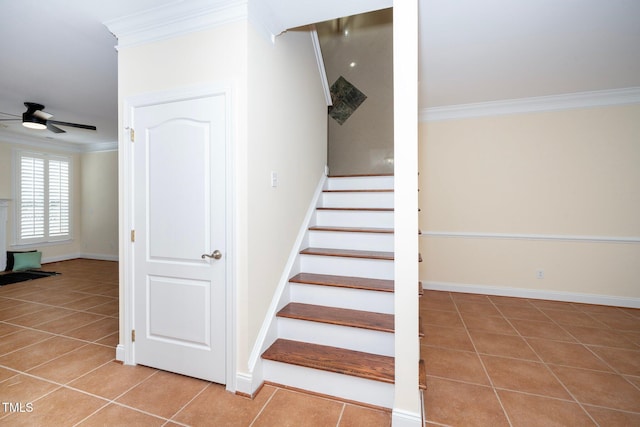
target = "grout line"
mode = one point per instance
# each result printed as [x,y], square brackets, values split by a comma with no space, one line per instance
[264,406]
[344,406]
[92,414]
[52,335]
[484,368]
[546,365]
[207,385]
[113,401]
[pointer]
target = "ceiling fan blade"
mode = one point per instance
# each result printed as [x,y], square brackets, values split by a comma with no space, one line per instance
[42,115]
[75,125]
[7,120]
[54,129]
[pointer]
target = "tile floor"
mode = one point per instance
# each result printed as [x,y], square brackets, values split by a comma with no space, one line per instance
[490,361]
[57,368]
[499,361]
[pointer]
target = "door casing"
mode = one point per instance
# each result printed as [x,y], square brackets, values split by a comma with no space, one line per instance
[125,351]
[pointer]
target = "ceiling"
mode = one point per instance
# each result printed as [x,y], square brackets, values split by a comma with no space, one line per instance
[59,53]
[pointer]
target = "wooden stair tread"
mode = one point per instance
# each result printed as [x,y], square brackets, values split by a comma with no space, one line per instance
[353,229]
[339,316]
[333,359]
[348,253]
[356,209]
[422,375]
[363,283]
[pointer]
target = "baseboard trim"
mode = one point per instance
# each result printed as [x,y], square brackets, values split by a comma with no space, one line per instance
[120,353]
[611,300]
[400,418]
[68,257]
[246,384]
[101,257]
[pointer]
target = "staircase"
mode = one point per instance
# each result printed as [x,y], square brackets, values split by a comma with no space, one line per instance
[335,330]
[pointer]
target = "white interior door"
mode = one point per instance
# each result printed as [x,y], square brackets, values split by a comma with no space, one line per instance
[179,218]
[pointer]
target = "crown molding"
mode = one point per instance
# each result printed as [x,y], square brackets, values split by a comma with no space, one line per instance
[175,19]
[568,101]
[264,20]
[52,144]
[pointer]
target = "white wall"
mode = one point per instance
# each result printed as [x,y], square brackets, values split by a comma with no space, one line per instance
[287,134]
[216,56]
[406,408]
[279,124]
[99,205]
[550,191]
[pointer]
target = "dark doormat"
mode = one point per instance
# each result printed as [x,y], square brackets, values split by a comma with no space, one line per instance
[22,276]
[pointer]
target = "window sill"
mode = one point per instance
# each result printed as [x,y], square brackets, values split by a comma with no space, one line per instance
[35,245]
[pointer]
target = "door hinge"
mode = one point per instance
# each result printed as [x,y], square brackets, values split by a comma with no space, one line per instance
[133,335]
[132,134]
[133,235]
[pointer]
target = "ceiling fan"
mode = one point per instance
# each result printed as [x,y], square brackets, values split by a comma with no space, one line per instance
[35,118]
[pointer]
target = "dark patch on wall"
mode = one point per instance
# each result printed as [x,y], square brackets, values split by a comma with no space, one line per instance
[346,98]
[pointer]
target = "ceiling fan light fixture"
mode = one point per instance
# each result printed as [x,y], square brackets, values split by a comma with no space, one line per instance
[32,122]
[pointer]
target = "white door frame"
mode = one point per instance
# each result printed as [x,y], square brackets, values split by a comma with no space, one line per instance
[125,351]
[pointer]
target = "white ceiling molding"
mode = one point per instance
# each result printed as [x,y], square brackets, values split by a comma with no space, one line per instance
[281,15]
[52,144]
[262,17]
[175,19]
[535,104]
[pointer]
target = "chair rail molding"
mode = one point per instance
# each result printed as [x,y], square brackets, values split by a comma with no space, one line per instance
[549,237]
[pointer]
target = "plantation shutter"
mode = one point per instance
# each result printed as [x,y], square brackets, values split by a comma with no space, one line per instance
[32,198]
[58,198]
[44,202]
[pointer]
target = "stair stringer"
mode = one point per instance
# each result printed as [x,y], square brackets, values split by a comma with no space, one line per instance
[248,384]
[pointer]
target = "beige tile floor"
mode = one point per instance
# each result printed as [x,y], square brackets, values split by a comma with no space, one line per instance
[490,361]
[57,368]
[498,361]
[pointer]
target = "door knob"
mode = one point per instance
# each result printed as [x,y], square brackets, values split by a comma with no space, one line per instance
[215,255]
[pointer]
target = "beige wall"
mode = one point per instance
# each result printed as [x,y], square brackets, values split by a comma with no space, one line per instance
[271,132]
[215,56]
[99,204]
[364,143]
[552,191]
[50,252]
[287,134]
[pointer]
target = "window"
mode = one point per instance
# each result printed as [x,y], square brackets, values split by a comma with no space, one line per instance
[43,202]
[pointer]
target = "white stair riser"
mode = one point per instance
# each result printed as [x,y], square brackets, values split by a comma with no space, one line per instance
[347,240]
[380,219]
[361,183]
[329,383]
[355,299]
[357,339]
[357,200]
[343,266]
